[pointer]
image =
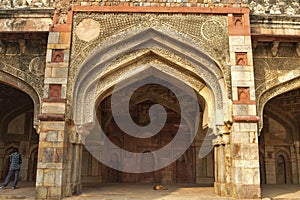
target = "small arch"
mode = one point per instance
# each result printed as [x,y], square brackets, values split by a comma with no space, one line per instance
[283,167]
[32,164]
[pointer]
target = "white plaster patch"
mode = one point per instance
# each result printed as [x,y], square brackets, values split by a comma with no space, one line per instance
[87,30]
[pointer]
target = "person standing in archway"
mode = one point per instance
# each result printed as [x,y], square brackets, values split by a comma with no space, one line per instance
[14,168]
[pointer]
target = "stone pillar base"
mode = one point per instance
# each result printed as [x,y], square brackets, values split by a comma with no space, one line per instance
[246,191]
[220,188]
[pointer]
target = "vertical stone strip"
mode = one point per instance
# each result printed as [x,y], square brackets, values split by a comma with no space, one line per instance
[53,168]
[245,178]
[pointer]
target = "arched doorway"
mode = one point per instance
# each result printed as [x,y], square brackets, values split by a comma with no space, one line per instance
[187,169]
[279,138]
[16,127]
[95,81]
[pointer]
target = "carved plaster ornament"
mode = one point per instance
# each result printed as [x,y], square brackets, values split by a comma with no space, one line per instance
[19,3]
[275,9]
[37,66]
[5,4]
[274,48]
[290,11]
[298,49]
[259,9]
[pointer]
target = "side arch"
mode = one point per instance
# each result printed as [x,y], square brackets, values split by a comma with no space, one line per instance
[284,86]
[18,83]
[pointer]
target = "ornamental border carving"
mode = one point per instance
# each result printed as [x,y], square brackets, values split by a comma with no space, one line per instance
[163,23]
[276,90]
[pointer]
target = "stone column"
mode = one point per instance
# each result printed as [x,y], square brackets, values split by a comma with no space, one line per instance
[270,165]
[294,166]
[245,176]
[297,151]
[53,173]
[222,158]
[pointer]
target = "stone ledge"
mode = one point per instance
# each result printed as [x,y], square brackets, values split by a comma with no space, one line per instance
[245,118]
[51,117]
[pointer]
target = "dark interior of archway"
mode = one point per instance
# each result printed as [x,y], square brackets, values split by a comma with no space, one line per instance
[16,128]
[180,171]
[281,127]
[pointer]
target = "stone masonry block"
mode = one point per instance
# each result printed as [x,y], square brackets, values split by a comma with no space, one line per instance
[51,136]
[56,80]
[49,55]
[64,38]
[58,179]
[53,108]
[248,40]
[241,82]
[246,191]
[251,176]
[41,192]
[48,155]
[48,125]
[43,144]
[67,56]
[236,40]
[39,177]
[48,72]
[244,110]
[244,76]
[245,151]
[245,163]
[53,37]
[59,72]
[55,192]
[240,48]
[49,177]
[50,165]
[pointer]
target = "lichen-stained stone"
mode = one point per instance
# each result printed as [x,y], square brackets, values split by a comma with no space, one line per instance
[25,24]
[53,108]
[48,155]
[49,177]
[41,192]
[55,192]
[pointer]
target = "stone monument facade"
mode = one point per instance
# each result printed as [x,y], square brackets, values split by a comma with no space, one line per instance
[241,58]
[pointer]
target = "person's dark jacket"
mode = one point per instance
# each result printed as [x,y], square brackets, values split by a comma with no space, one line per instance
[15,161]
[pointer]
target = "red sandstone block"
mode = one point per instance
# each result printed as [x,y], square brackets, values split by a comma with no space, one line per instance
[62,28]
[64,38]
[251,119]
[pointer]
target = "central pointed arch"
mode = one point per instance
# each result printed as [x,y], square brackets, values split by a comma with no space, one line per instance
[169,53]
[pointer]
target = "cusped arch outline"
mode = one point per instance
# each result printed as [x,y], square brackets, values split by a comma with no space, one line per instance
[26,88]
[119,53]
[267,95]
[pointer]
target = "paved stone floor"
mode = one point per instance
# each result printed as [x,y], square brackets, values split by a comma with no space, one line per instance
[25,190]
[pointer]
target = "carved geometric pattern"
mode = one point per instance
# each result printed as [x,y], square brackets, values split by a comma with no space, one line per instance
[57,55]
[54,91]
[243,93]
[241,59]
[238,20]
[190,26]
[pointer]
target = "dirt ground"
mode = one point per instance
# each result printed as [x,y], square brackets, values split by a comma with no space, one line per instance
[26,191]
